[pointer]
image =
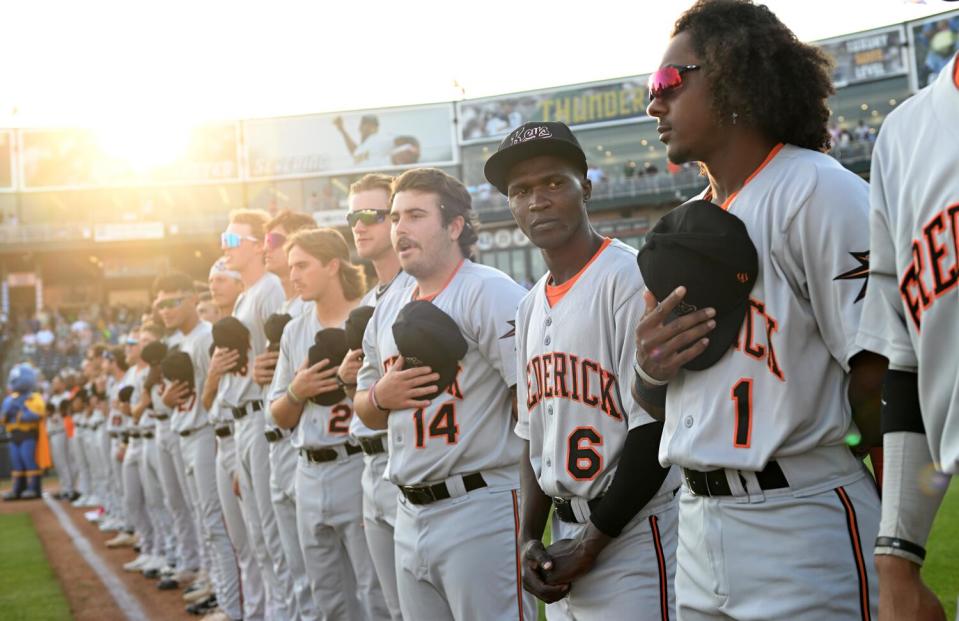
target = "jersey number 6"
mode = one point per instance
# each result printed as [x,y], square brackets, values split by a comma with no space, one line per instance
[583,463]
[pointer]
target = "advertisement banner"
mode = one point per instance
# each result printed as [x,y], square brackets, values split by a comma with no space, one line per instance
[867,56]
[83,158]
[6,159]
[350,142]
[934,42]
[610,102]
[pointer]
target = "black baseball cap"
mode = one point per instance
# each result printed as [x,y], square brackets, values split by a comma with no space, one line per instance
[426,336]
[706,249]
[328,344]
[531,140]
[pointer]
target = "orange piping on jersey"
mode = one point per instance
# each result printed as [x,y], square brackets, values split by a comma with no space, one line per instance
[555,293]
[661,566]
[430,298]
[955,71]
[852,524]
[729,199]
[519,566]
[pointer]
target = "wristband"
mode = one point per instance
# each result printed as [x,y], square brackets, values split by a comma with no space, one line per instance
[373,401]
[646,377]
[292,396]
[908,547]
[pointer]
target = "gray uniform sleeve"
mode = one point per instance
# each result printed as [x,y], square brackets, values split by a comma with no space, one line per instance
[883,329]
[822,242]
[492,322]
[372,367]
[522,389]
[625,320]
[285,369]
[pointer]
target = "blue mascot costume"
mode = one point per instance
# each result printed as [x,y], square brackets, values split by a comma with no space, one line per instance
[22,414]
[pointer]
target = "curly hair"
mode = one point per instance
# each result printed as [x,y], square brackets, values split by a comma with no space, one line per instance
[758,69]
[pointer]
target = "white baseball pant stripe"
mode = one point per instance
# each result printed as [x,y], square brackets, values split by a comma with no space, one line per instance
[199,449]
[253,463]
[785,554]
[175,497]
[379,520]
[254,599]
[61,461]
[329,514]
[282,488]
[633,573]
[444,575]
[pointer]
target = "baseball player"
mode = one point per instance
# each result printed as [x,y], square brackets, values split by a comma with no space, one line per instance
[369,200]
[761,428]
[225,287]
[454,456]
[283,455]
[304,397]
[910,318]
[237,392]
[57,432]
[78,411]
[176,301]
[590,450]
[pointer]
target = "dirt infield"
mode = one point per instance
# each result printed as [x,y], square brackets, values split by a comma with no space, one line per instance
[88,598]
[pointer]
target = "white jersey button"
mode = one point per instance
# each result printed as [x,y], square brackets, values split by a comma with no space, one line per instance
[549,409]
[549,321]
[546,341]
[688,421]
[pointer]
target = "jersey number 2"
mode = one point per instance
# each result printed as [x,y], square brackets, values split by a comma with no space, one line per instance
[340,419]
[742,396]
[442,425]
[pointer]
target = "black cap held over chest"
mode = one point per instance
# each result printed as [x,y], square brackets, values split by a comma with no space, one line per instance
[356,326]
[273,328]
[426,336]
[177,367]
[230,333]
[153,353]
[328,344]
[532,140]
[706,249]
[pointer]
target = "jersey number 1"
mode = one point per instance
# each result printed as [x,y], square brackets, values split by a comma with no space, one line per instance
[742,396]
[442,425]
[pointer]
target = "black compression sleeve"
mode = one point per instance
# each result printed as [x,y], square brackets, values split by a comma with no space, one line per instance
[638,477]
[900,403]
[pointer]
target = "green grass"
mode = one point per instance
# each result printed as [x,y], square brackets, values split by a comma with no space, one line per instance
[941,570]
[28,588]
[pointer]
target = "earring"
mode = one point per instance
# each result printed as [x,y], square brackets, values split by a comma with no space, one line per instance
[735,116]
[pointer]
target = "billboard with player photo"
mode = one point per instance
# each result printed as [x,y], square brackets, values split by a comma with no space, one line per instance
[600,103]
[119,156]
[348,142]
[934,42]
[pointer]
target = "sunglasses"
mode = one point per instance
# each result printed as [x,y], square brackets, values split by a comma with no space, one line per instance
[131,342]
[275,241]
[367,216]
[666,79]
[170,303]
[233,240]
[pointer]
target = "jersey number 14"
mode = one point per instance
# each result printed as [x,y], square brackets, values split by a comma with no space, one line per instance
[441,425]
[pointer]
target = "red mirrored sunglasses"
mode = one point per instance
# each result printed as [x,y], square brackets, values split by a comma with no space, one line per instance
[667,78]
[275,240]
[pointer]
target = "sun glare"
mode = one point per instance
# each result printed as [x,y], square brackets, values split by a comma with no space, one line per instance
[143,145]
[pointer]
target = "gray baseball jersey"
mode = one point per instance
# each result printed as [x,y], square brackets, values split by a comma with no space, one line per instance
[910,314]
[253,307]
[191,414]
[401,281]
[574,398]
[319,425]
[781,389]
[468,428]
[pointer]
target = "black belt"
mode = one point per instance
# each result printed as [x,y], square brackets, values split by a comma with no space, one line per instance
[184,434]
[243,410]
[322,455]
[133,434]
[714,482]
[223,432]
[564,509]
[147,434]
[272,435]
[161,416]
[425,494]
[372,446]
